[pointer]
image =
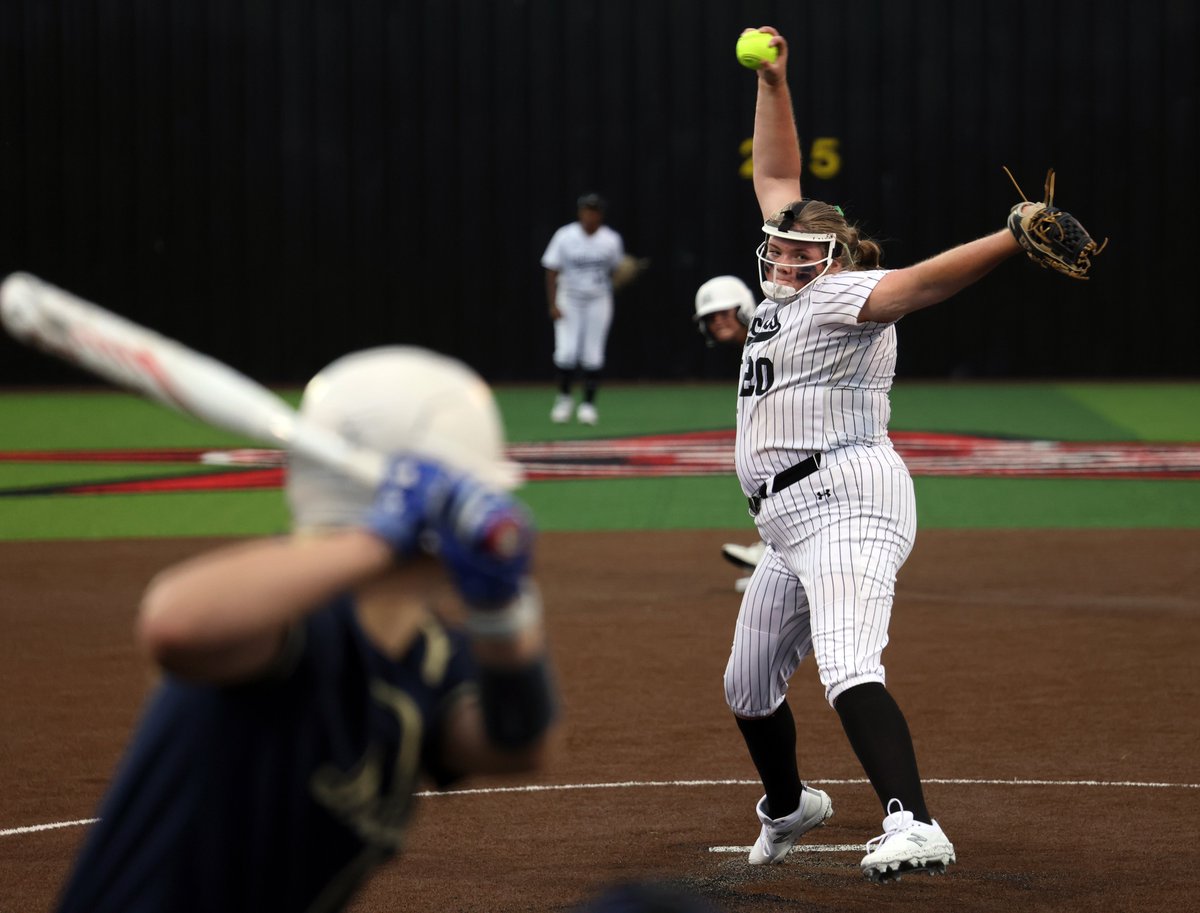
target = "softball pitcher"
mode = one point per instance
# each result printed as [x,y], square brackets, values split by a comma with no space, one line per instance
[830,496]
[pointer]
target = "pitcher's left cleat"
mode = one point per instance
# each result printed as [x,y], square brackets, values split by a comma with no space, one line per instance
[906,845]
[777,835]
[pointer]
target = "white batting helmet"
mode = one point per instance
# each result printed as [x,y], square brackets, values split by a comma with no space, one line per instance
[723,293]
[396,399]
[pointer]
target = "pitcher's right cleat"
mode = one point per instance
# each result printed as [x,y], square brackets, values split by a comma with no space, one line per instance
[906,845]
[778,834]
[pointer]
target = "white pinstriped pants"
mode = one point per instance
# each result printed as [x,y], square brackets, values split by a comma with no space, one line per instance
[835,542]
[581,331]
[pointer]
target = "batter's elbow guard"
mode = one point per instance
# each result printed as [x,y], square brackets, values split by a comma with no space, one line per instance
[518,705]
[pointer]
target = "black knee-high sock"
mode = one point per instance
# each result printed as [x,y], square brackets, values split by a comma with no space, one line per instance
[566,376]
[772,744]
[879,736]
[591,383]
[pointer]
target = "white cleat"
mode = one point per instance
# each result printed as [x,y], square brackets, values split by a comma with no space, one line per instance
[587,414]
[778,834]
[739,585]
[744,556]
[562,409]
[906,845]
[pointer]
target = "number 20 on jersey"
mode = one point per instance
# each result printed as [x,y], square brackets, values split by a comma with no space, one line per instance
[758,376]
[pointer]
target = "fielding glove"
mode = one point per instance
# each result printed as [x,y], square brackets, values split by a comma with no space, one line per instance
[1051,237]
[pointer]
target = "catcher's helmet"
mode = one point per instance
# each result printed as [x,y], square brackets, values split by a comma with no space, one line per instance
[396,399]
[723,293]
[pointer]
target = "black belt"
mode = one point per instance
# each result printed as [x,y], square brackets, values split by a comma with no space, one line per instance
[789,476]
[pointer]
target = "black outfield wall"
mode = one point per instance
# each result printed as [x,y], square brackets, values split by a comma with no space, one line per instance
[277,183]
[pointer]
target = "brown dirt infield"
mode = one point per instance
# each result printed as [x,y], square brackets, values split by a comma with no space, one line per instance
[1030,656]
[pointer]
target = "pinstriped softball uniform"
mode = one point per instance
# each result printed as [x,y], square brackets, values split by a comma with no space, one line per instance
[585,297]
[814,379]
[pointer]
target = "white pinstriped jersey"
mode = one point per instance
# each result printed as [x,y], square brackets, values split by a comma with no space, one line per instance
[584,262]
[813,377]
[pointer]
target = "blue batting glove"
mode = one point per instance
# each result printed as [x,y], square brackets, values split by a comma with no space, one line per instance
[486,543]
[412,492]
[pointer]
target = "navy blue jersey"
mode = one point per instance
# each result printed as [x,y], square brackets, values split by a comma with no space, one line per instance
[281,794]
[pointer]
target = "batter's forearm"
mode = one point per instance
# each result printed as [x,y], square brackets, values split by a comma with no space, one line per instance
[218,615]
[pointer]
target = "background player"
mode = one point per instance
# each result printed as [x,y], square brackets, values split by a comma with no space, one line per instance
[579,262]
[308,681]
[724,308]
[831,498]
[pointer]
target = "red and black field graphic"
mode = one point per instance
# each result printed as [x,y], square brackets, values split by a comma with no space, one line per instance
[690,454]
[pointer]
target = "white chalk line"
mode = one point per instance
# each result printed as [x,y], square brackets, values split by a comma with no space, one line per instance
[34,828]
[629,784]
[799,848]
[658,784]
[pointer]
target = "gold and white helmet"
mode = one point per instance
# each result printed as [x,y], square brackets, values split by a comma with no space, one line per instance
[396,399]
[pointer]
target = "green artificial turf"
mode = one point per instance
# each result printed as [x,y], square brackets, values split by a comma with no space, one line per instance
[1062,412]
[1168,412]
